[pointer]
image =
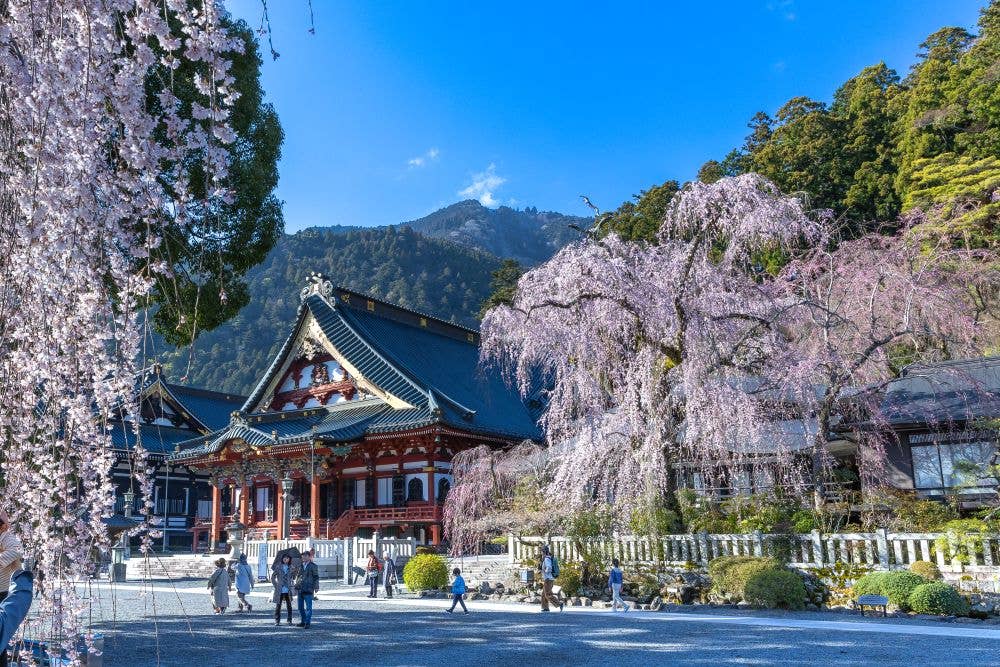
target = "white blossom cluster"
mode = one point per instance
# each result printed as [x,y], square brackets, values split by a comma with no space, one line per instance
[90,168]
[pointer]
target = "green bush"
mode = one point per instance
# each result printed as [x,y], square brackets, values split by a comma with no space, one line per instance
[654,521]
[426,572]
[937,597]
[870,584]
[925,569]
[804,521]
[724,579]
[897,586]
[570,578]
[776,588]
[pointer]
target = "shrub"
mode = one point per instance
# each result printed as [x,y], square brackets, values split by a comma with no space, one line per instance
[870,584]
[804,521]
[719,569]
[653,521]
[937,597]
[913,514]
[570,578]
[425,572]
[925,569]
[775,588]
[897,586]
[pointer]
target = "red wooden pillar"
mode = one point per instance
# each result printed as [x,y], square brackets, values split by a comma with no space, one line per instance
[435,534]
[280,514]
[314,508]
[216,517]
[245,504]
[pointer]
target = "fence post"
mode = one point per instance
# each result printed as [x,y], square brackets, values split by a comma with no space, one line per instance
[510,548]
[758,543]
[817,542]
[987,551]
[882,541]
[703,548]
[348,557]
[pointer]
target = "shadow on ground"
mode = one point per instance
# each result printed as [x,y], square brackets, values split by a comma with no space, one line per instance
[387,636]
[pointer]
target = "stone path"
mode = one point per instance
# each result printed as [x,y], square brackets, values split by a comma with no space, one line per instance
[350,629]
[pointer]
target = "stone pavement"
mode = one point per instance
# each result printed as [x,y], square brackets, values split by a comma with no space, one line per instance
[172,624]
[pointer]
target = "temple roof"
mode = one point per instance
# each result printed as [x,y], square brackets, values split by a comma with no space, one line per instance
[943,394]
[156,439]
[212,408]
[415,371]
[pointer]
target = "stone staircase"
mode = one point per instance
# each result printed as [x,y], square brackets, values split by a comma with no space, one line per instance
[186,566]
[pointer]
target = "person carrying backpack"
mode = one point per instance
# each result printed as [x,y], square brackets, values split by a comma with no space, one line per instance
[550,570]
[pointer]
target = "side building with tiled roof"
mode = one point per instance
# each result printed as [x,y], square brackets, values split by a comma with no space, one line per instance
[169,415]
[353,426]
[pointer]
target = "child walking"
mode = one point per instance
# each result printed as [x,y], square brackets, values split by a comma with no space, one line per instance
[615,580]
[457,591]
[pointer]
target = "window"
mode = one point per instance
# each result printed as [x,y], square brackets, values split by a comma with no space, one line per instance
[939,465]
[359,493]
[415,489]
[444,486]
[385,490]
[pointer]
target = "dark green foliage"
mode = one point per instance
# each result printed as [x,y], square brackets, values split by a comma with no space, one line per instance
[760,581]
[391,263]
[781,589]
[937,597]
[425,572]
[926,569]
[570,578]
[211,256]
[503,285]
[640,220]
[883,145]
[897,586]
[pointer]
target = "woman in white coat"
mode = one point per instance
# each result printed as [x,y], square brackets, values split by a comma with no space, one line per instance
[218,584]
[244,582]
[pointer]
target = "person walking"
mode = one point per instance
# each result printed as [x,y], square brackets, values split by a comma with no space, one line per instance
[218,584]
[282,577]
[550,570]
[615,581]
[389,576]
[11,553]
[306,586]
[457,591]
[371,573]
[244,582]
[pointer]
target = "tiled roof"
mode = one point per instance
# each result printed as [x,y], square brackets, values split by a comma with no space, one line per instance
[156,439]
[945,393]
[211,408]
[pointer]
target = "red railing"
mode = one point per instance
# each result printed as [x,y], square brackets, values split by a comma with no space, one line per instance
[352,519]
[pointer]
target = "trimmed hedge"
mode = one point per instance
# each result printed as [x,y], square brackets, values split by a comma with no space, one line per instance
[781,589]
[760,581]
[896,586]
[937,597]
[926,569]
[426,572]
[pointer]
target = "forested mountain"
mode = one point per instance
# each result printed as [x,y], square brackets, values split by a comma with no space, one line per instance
[527,235]
[396,264]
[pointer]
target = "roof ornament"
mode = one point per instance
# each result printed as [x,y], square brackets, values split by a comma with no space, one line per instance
[317,283]
[237,418]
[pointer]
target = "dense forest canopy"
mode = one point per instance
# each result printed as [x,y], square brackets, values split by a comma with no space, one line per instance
[884,144]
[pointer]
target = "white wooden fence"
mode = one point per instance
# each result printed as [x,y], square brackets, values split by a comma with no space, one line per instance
[880,550]
[333,555]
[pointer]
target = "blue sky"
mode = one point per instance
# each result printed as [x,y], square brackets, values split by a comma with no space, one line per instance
[395,109]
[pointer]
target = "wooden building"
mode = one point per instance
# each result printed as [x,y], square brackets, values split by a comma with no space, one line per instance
[168,415]
[353,426]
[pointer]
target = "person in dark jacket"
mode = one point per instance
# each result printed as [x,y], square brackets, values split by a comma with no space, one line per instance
[282,578]
[306,586]
[389,576]
[372,569]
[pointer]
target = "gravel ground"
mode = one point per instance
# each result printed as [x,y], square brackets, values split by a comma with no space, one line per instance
[173,625]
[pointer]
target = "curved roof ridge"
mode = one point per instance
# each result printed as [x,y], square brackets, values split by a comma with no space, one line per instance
[393,364]
[265,378]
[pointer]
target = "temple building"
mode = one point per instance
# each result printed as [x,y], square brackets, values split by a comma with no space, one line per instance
[353,426]
[168,414]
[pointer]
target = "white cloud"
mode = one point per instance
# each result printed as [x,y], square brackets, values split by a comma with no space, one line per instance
[431,155]
[484,184]
[786,8]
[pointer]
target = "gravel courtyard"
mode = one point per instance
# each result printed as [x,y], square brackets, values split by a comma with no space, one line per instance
[172,624]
